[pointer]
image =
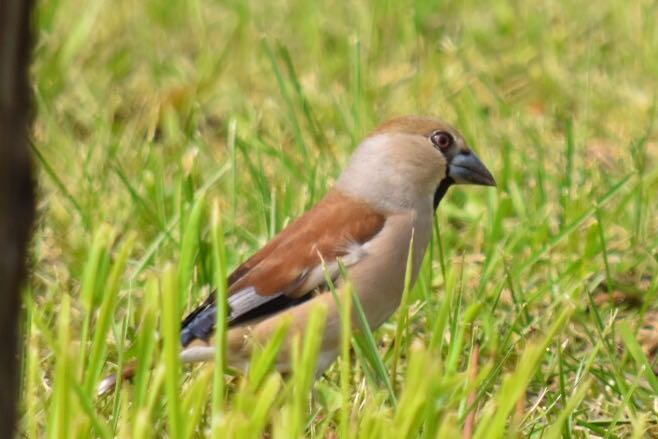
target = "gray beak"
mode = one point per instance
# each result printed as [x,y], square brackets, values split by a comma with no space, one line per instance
[466,168]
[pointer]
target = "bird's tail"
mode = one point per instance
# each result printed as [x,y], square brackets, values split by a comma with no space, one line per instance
[108,384]
[194,353]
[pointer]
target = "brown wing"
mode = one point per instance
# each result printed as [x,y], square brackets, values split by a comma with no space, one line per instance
[277,276]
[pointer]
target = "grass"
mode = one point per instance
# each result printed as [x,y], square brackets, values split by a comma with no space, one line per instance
[173,138]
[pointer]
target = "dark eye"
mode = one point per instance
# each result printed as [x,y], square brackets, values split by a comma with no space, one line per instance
[442,139]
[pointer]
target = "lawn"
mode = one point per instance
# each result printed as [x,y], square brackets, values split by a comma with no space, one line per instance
[174,138]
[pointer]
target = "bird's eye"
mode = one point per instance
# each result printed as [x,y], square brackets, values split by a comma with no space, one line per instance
[442,140]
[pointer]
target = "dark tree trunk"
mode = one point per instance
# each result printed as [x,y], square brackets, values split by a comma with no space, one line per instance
[16,194]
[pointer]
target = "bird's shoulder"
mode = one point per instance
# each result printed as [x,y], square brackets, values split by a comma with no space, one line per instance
[327,231]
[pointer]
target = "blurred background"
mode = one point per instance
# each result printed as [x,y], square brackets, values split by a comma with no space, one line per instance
[144,107]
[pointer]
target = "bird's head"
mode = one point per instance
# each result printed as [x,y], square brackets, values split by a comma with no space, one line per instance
[410,158]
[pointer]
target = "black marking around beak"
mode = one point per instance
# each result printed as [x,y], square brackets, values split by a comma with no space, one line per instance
[466,168]
[441,190]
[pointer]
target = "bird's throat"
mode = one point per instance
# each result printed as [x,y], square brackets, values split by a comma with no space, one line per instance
[441,190]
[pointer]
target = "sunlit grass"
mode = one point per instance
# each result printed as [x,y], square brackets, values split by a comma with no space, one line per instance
[174,138]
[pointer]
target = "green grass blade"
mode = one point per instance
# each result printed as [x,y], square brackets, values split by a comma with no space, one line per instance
[169,328]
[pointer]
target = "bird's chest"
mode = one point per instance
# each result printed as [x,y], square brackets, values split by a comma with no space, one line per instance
[379,278]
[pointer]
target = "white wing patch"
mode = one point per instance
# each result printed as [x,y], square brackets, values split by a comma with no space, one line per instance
[355,253]
[245,300]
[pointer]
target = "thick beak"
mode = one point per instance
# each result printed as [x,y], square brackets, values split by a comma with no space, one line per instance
[466,168]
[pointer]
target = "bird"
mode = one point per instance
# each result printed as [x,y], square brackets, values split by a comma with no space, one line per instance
[388,192]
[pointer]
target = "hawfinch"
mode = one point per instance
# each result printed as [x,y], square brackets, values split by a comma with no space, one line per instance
[389,190]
